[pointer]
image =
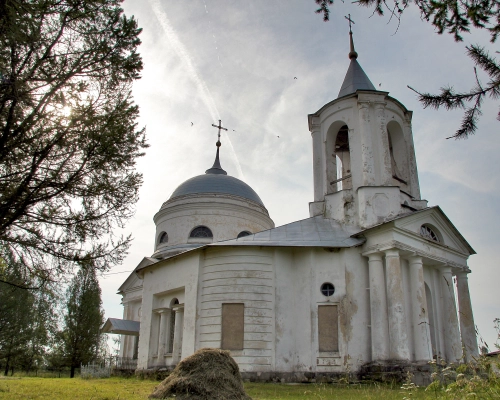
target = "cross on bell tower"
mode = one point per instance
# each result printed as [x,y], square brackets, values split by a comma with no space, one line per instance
[352,52]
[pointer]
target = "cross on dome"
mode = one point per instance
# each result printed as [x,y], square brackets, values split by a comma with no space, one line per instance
[216,168]
[218,136]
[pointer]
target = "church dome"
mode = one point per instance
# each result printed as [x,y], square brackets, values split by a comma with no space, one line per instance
[217,184]
[206,209]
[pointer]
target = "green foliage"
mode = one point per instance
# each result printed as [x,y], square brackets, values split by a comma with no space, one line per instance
[68,136]
[323,8]
[27,321]
[83,319]
[455,17]
[450,99]
[471,380]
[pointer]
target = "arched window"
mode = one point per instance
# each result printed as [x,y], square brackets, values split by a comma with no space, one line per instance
[243,234]
[201,232]
[163,238]
[172,326]
[427,232]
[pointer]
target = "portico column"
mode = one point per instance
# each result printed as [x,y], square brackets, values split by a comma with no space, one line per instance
[366,144]
[378,309]
[318,177]
[398,333]
[162,335]
[467,327]
[453,345]
[179,323]
[419,311]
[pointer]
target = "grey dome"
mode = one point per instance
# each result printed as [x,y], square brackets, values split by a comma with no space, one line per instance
[217,183]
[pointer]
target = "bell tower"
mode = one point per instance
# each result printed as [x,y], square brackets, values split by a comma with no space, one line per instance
[364,164]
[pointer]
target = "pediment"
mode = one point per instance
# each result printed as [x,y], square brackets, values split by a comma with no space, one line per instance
[440,224]
[133,281]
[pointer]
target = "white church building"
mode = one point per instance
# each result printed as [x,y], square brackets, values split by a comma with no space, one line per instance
[373,279]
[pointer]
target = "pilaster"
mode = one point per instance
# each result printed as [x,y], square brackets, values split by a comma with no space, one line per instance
[368,176]
[318,167]
[467,327]
[385,168]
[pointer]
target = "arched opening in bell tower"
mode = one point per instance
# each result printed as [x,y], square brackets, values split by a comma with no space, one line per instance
[399,154]
[338,158]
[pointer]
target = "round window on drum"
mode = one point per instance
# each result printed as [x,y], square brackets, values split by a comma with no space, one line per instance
[163,238]
[201,232]
[243,234]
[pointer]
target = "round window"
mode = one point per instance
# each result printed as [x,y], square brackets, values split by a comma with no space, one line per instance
[327,289]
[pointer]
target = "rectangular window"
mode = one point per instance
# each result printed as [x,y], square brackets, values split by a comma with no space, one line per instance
[232,326]
[328,328]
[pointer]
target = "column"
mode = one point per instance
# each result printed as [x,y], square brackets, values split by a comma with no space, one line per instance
[398,333]
[378,309]
[162,336]
[318,169]
[419,311]
[453,345]
[178,328]
[467,326]
[366,144]
[383,139]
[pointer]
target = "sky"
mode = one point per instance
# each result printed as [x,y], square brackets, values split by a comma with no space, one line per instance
[237,61]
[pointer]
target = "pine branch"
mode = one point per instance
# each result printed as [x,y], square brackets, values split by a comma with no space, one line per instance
[324,8]
[449,99]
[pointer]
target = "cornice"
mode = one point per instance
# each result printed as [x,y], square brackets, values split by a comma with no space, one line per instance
[395,244]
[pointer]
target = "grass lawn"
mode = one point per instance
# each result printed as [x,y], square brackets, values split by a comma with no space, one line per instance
[120,388]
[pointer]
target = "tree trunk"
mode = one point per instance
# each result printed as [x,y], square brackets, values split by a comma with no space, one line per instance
[72,373]
[6,372]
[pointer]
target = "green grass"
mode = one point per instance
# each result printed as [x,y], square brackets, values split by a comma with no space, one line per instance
[30,388]
[119,388]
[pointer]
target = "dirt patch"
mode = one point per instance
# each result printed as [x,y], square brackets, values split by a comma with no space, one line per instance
[207,374]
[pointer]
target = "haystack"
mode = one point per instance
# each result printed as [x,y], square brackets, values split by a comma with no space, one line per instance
[209,374]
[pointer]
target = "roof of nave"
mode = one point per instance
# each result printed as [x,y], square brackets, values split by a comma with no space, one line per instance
[311,232]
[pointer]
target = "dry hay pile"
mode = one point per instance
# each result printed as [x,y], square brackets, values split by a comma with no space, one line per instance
[207,374]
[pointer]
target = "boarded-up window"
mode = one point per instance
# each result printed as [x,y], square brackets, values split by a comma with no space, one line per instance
[232,326]
[328,328]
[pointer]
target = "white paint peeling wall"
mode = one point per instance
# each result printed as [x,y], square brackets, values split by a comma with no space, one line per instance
[239,275]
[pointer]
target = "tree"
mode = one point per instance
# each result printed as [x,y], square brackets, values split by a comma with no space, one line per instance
[455,17]
[68,134]
[83,319]
[27,320]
